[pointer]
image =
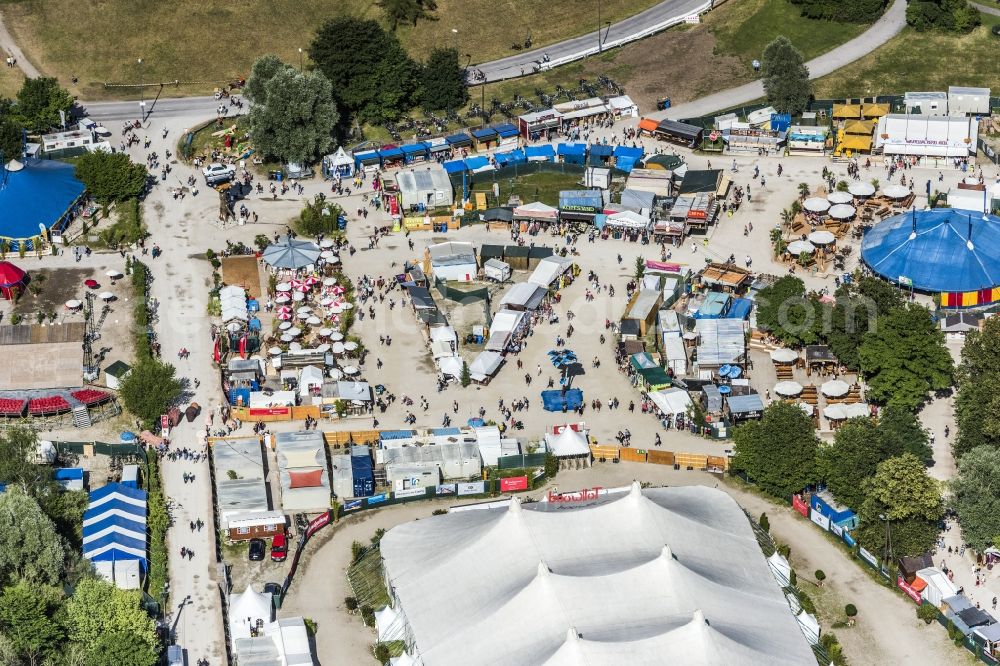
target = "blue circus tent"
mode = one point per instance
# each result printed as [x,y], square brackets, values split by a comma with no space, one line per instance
[114,525]
[39,196]
[942,250]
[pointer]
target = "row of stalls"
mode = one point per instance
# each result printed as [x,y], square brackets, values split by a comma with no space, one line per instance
[563,118]
[393,156]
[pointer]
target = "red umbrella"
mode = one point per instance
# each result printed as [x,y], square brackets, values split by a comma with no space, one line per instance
[216,356]
[338,290]
[295,283]
[284,309]
[311,280]
[284,316]
[91,284]
[303,287]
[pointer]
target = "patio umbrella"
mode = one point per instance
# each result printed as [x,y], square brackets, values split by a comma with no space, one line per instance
[298,297]
[113,273]
[788,389]
[333,260]
[291,253]
[815,204]
[835,388]
[311,280]
[839,197]
[283,309]
[329,282]
[323,348]
[73,304]
[283,286]
[350,345]
[842,211]
[835,412]
[286,338]
[860,189]
[858,409]
[106,296]
[325,254]
[325,332]
[335,318]
[337,347]
[294,331]
[284,326]
[305,309]
[274,351]
[336,336]
[806,407]
[303,316]
[821,237]
[350,370]
[336,373]
[784,355]
[800,246]
[896,191]
[327,243]
[284,316]
[282,299]
[347,305]
[303,288]
[91,284]
[295,347]
[327,301]
[313,320]
[338,290]
[336,309]
[232,327]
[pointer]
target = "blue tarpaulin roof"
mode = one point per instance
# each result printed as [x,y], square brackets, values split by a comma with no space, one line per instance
[628,151]
[937,256]
[455,166]
[545,150]
[68,474]
[131,526]
[512,157]
[625,164]
[112,489]
[554,400]
[572,149]
[415,148]
[390,153]
[460,139]
[98,513]
[476,162]
[39,194]
[395,434]
[506,130]
[484,133]
[366,157]
[600,150]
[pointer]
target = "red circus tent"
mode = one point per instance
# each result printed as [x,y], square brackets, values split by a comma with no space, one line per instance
[11,278]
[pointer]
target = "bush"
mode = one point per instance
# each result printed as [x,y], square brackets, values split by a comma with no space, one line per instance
[806,602]
[765,524]
[157,523]
[357,551]
[351,604]
[318,217]
[850,610]
[439,512]
[377,538]
[311,625]
[784,550]
[551,465]
[381,653]
[927,612]
[128,229]
[792,578]
[820,577]
[111,176]
[368,615]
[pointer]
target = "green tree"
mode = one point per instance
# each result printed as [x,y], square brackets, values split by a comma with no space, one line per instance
[11,138]
[853,457]
[111,177]
[17,453]
[857,306]
[978,397]
[28,619]
[39,102]
[849,11]
[900,432]
[778,452]
[149,389]
[374,78]
[944,15]
[263,70]
[786,77]
[905,357]
[110,626]
[787,312]
[407,11]
[976,492]
[319,216]
[297,121]
[904,496]
[30,548]
[466,377]
[443,81]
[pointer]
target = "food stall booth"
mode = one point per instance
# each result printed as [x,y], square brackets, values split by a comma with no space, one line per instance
[508,136]
[484,138]
[677,132]
[460,143]
[391,156]
[415,152]
[540,125]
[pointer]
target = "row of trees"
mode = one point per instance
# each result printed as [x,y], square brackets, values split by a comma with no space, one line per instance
[875,467]
[52,608]
[870,328]
[945,15]
[843,11]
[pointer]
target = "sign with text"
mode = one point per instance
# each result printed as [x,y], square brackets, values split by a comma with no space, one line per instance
[868,556]
[837,529]
[910,592]
[318,523]
[800,506]
[819,519]
[377,499]
[410,492]
[513,483]
[578,496]
[269,411]
[473,488]
[352,505]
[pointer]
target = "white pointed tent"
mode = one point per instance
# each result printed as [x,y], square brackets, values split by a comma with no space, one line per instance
[247,611]
[388,625]
[567,443]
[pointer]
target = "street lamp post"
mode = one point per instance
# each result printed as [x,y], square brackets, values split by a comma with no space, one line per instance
[300,58]
[142,94]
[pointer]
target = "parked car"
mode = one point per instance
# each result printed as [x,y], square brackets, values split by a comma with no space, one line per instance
[279,548]
[216,173]
[272,588]
[257,550]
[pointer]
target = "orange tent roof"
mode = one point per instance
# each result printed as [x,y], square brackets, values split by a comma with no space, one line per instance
[918,584]
[648,124]
[855,142]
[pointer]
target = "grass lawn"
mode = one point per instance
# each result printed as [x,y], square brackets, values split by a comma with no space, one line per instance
[207,42]
[920,61]
[748,26]
[11,79]
[543,186]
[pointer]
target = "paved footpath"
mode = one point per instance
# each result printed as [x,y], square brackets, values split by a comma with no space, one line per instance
[887,27]
[10,47]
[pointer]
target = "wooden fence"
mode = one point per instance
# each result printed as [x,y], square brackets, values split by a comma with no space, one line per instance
[699,461]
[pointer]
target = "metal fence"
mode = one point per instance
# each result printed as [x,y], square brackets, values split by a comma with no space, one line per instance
[520,461]
[103,448]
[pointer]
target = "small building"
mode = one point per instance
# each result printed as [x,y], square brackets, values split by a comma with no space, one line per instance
[453,261]
[59,141]
[955,326]
[71,478]
[424,188]
[657,181]
[452,460]
[680,133]
[825,504]
[929,135]
[305,482]
[720,342]
[965,101]
[407,476]
[926,103]
[523,296]
[115,373]
[643,308]
[341,476]
[240,472]
[338,164]
[256,525]
[568,443]
[539,124]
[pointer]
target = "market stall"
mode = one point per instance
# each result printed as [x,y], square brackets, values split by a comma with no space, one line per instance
[484,138]
[338,164]
[540,125]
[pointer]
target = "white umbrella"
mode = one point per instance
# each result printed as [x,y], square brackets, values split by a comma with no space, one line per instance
[336,336]
[294,331]
[285,325]
[327,301]
[73,304]
[858,409]
[305,309]
[800,246]
[303,315]
[337,347]
[350,370]
[835,388]
[350,346]
[842,211]
[295,347]
[323,348]
[283,286]
[274,351]
[860,189]
[839,197]
[298,297]
[282,299]
[233,327]
[113,273]
[815,204]
[325,254]
[347,305]
[336,374]
[106,296]
[806,407]
[896,191]
[788,389]
[286,338]
[327,243]
[325,332]
[783,355]
[333,260]
[313,320]
[336,309]
[835,412]
[821,237]
[329,282]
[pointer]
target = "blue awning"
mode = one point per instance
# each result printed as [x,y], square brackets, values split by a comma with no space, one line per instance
[625,164]
[476,162]
[506,130]
[600,150]
[395,434]
[484,133]
[579,149]
[627,151]
[460,139]
[367,157]
[415,149]
[455,166]
[511,157]
[542,152]
[390,153]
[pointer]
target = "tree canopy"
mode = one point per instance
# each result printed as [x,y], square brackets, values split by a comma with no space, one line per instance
[29,619]
[978,399]
[407,11]
[443,81]
[976,499]
[905,357]
[779,451]
[900,432]
[110,625]
[11,137]
[849,11]
[295,122]
[788,313]
[786,77]
[903,494]
[319,216]
[373,78]
[30,548]
[149,389]
[39,102]
[944,15]
[111,177]
[263,70]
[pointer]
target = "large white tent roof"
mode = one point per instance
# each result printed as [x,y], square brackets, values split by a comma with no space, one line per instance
[567,442]
[665,575]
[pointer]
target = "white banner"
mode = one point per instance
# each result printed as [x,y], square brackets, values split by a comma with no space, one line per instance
[868,556]
[473,488]
[410,492]
[837,529]
[819,519]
